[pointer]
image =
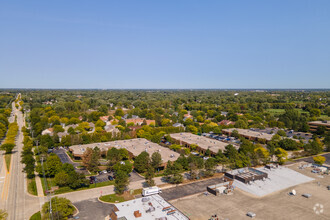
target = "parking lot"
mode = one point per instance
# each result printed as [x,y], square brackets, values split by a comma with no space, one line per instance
[93,209]
[188,189]
[60,152]
[278,205]
[306,136]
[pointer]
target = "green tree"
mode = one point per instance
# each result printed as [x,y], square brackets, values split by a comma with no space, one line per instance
[62,178]
[149,177]
[281,133]
[319,160]
[3,214]
[281,155]
[156,160]
[141,162]
[288,144]
[8,147]
[121,182]
[62,208]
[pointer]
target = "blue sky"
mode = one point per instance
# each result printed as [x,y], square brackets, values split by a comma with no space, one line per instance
[165,44]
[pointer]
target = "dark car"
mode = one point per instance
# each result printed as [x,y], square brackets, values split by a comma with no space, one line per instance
[110,178]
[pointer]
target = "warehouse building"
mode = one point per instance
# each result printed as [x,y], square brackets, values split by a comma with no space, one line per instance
[133,146]
[202,143]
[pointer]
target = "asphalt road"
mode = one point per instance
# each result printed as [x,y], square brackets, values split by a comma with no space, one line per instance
[15,200]
[188,189]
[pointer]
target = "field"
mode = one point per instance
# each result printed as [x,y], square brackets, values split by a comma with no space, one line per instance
[278,205]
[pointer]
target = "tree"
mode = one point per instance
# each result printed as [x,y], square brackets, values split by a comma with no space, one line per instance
[319,160]
[58,128]
[61,178]
[288,144]
[281,133]
[91,158]
[119,112]
[62,210]
[210,166]
[3,214]
[281,155]
[262,154]
[8,147]
[156,160]
[241,124]
[141,162]
[150,175]
[121,182]
[313,147]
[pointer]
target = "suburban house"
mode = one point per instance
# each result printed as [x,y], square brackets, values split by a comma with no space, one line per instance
[226,122]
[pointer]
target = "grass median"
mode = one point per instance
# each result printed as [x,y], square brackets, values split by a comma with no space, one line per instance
[8,160]
[32,186]
[66,189]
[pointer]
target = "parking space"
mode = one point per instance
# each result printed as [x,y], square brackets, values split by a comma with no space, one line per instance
[189,189]
[93,209]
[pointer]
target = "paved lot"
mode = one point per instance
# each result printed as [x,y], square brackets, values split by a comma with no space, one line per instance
[278,205]
[63,156]
[135,177]
[93,209]
[188,189]
[310,159]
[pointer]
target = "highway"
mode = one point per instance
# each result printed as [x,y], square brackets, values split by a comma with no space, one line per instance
[14,197]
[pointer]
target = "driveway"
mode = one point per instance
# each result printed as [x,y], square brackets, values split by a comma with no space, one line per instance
[64,157]
[93,209]
[188,189]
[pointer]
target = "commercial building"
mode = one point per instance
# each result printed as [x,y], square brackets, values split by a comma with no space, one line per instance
[133,146]
[147,208]
[249,134]
[202,143]
[314,124]
[246,175]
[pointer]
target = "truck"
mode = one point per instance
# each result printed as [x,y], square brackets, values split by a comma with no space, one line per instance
[151,191]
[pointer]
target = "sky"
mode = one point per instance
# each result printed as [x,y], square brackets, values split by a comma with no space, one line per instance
[172,44]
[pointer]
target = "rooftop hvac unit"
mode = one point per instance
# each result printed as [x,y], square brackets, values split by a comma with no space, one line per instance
[145,199]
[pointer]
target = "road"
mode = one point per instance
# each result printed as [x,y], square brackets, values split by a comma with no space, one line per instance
[14,197]
[310,159]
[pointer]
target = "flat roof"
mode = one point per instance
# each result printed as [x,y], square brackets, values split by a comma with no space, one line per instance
[325,123]
[134,146]
[201,141]
[144,205]
[250,133]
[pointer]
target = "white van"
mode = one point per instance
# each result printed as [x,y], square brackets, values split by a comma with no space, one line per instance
[151,191]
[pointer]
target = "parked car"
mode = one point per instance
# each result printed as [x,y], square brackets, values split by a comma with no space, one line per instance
[110,178]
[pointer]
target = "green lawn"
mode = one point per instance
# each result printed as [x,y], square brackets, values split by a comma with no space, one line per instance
[50,183]
[36,216]
[8,159]
[32,186]
[113,198]
[275,111]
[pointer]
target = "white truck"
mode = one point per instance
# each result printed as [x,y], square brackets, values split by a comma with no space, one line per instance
[151,191]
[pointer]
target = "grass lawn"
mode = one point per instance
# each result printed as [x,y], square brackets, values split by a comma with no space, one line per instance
[91,186]
[8,159]
[32,186]
[114,198]
[36,216]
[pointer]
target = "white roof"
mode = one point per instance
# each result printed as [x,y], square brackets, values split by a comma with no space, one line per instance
[126,209]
